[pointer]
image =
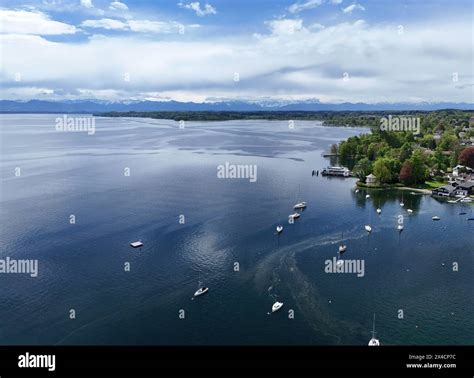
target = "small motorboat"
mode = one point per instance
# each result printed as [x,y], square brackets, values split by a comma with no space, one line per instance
[410,211]
[276,306]
[436,218]
[201,291]
[342,248]
[279,229]
[452,201]
[466,199]
[400,227]
[379,211]
[136,244]
[357,190]
[368,228]
[367,196]
[300,206]
[294,216]
[402,204]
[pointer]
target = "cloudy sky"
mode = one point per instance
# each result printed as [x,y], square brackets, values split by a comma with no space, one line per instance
[327,50]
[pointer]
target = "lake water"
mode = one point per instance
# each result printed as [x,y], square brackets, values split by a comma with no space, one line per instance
[173,173]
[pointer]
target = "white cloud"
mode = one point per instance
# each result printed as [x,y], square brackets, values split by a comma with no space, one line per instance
[307,63]
[196,7]
[117,5]
[353,7]
[139,26]
[300,6]
[105,23]
[31,22]
[87,3]
[336,2]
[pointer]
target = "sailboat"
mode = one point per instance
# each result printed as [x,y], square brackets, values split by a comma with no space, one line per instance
[401,203]
[276,306]
[299,205]
[400,227]
[374,341]
[279,229]
[201,290]
[342,246]
[368,228]
[410,211]
[379,210]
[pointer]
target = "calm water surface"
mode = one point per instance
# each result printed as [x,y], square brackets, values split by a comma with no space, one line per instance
[173,172]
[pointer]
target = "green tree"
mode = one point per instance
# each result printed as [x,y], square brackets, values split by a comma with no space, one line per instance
[363,168]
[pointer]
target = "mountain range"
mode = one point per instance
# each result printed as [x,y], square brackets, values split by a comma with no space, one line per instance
[97,106]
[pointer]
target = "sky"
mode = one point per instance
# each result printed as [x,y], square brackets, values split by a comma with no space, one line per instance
[330,51]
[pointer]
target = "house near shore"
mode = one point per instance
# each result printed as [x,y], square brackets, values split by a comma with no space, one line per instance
[455,189]
[371,180]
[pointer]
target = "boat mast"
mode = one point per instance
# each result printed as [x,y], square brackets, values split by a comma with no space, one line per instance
[373,328]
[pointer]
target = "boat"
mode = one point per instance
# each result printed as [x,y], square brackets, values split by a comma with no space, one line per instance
[466,199]
[452,201]
[279,229]
[402,203]
[136,244]
[374,341]
[357,190]
[400,227]
[436,218]
[342,246]
[413,193]
[367,196]
[368,228]
[379,211]
[201,291]
[300,206]
[276,306]
[336,171]
[294,216]
[410,211]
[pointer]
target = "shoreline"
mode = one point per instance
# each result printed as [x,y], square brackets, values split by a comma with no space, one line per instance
[395,186]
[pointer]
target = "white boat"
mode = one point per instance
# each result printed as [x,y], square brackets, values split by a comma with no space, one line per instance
[300,206]
[379,211]
[436,218]
[342,246]
[357,190]
[136,244]
[374,341]
[466,199]
[452,201]
[279,229]
[400,227]
[410,211]
[367,196]
[201,291]
[276,306]
[294,215]
[368,228]
[402,204]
